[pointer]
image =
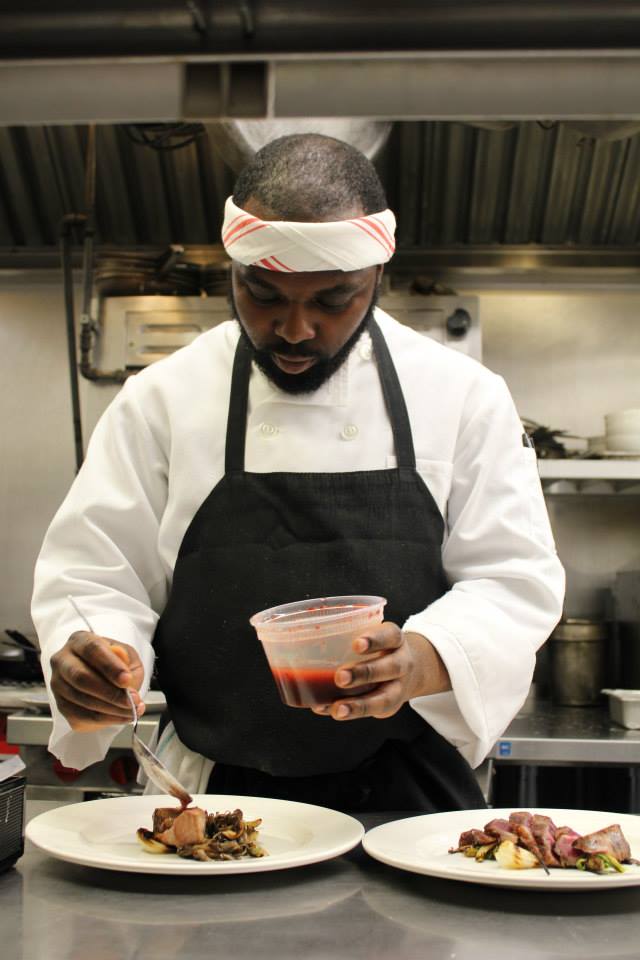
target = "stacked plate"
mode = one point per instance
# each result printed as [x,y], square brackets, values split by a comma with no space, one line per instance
[622,431]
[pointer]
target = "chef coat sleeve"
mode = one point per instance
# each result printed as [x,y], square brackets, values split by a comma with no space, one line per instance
[507,583]
[101,548]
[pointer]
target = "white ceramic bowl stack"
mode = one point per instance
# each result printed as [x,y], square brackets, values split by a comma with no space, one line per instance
[622,431]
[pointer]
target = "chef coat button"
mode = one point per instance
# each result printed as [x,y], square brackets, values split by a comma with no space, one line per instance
[268,430]
[366,351]
[349,432]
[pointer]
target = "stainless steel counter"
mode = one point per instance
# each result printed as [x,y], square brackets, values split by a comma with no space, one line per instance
[351,907]
[544,733]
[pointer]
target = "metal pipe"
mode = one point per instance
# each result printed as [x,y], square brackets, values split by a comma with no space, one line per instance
[166,27]
[85,222]
[68,222]
[88,329]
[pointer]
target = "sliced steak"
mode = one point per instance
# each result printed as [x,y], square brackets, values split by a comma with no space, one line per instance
[544,832]
[473,838]
[522,825]
[609,840]
[563,846]
[501,830]
[521,818]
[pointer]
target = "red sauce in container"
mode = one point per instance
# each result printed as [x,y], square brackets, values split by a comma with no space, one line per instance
[308,687]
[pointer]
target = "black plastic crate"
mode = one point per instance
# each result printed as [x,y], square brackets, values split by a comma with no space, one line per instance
[12,794]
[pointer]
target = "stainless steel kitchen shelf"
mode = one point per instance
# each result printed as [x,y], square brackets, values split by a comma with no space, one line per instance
[543,733]
[29,728]
[608,469]
[548,734]
[606,477]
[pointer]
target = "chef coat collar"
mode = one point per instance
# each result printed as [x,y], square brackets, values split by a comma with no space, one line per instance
[334,392]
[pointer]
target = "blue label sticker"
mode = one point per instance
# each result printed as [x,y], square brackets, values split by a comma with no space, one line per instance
[504,748]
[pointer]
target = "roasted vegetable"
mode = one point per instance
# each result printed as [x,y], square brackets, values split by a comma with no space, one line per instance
[599,863]
[513,857]
[149,842]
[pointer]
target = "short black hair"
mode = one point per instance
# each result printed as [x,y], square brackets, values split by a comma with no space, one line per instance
[308,177]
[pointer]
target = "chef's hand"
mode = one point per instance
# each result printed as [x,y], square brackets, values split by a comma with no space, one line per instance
[406,665]
[90,676]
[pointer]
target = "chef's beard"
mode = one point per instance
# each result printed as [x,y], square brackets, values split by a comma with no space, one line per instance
[321,371]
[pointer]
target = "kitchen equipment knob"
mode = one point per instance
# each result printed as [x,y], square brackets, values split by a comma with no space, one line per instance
[458,323]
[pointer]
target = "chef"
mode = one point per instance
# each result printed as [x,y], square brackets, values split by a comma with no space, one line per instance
[309,446]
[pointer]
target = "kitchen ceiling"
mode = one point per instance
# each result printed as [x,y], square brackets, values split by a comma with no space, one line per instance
[191,27]
[451,184]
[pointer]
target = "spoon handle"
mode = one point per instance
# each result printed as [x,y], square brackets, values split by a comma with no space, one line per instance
[80,613]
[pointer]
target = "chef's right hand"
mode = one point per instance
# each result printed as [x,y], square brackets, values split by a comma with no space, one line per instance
[90,676]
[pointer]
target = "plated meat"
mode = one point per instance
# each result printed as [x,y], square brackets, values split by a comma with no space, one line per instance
[547,845]
[563,846]
[501,830]
[544,833]
[196,834]
[610,841]
[187,829]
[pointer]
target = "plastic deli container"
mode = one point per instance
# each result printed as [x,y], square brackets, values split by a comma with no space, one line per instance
[624,707]
[306,641]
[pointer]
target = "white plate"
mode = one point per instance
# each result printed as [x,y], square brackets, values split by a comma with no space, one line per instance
[102,833]
[421,845]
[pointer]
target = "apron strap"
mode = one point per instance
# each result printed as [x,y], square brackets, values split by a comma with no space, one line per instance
[391,390]
[238,405]
[394,399]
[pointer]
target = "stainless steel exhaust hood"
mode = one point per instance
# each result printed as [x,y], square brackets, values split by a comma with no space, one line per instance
[138,331]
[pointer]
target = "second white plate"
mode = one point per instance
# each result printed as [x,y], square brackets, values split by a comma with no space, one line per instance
[421,845]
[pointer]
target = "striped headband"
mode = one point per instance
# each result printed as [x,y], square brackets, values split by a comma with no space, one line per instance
[292,247]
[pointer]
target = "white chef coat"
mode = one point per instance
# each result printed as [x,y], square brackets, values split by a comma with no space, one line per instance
[158,451]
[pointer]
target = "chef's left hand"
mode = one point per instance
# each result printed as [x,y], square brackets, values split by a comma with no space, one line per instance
[407,665]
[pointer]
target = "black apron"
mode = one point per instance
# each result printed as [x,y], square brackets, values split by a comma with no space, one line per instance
[262,539]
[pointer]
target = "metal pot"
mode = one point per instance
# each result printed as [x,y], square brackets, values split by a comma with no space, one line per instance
[578,657]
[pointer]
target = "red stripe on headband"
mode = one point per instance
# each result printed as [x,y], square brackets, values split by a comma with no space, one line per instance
[283,265]
[374,226]
[265,263]
[270,264]
[231,229]
[384,227]
[260,226]
[235,219]
[244,223]
[361,226]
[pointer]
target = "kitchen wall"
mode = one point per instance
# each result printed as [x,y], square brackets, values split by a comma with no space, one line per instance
[569,356]
[37,460]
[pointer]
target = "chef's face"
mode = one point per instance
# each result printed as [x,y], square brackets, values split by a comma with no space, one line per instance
[302,326]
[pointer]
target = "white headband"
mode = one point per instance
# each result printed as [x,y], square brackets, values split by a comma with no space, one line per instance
[292,247]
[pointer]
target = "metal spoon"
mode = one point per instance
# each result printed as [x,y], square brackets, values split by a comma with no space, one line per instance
[152,766]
